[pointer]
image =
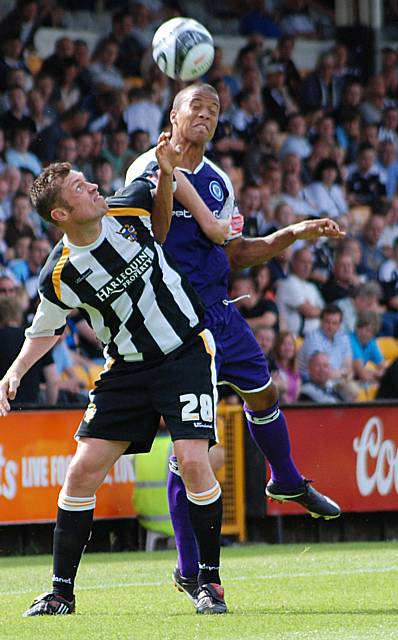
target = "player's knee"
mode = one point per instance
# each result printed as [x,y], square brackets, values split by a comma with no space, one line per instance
[193,460]
[263,399]
[83,473]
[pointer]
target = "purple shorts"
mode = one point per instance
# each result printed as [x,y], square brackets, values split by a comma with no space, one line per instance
[240,362]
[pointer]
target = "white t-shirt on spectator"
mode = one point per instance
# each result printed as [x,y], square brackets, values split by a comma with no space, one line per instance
[292,293]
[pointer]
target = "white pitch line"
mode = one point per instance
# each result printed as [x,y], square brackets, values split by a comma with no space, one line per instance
[276,576]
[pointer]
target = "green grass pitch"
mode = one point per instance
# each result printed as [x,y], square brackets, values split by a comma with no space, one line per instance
[294,592]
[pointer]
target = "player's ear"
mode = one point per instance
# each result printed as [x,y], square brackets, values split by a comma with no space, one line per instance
[59,215]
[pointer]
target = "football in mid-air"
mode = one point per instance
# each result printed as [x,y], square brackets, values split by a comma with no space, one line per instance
[183,48]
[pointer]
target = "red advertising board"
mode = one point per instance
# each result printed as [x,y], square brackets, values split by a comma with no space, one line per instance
[35,450]
[351,454]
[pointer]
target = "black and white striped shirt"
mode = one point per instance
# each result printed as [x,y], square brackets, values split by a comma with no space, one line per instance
[136,301]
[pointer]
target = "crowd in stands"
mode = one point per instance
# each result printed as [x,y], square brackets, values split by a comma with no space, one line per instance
[295,145]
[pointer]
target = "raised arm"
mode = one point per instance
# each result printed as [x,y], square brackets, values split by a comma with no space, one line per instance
[248,252]
[32,350]
[167,157]
[217,231]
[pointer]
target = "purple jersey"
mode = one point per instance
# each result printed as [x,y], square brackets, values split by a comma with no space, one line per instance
[205,263]
[239,360]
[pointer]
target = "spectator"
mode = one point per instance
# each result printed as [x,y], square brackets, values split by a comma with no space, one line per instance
[279,266]
[390,231]
[388,278]
[143,113]
[83,163]
[263,281]
[388,388]
[63,50]
[255,223]
[109,113]
[256,310]
[7,286]
[366,182]
[372,255]
[118,153]
[348,133]
[295,196]
[283,217]
[19,224]
[285,359]
[227,138]
[368,362]
[71,123]
[23,21]
[278,102]
[265,337]
[37,110]
[12,336]
[343,279]
[351,100]
[320,387]
[26,272]
[330,339]
[283,55]
[296,141]
[139,142]
[10,59]
[321,89]
[45,85]
[365,297]
[18,154]
[258,20]
[131,50]
[103,176]
[325,193]
[16,114]
[68,93]
[388,127]
[104,75]
[388,164]
[297,20]
[299,301]
[67,150]
[249,113]
[371,109]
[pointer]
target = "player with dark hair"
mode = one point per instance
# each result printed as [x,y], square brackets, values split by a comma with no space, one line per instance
[239,360]
[159,359]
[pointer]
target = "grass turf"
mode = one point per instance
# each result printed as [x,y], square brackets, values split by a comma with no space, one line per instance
[293,592]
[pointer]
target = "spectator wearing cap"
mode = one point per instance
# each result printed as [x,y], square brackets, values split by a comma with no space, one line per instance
[366,182]
[278,102]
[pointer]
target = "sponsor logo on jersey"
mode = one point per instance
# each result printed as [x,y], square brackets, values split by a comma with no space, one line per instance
[128,233]
[216,190]
[200,425]
[137,267]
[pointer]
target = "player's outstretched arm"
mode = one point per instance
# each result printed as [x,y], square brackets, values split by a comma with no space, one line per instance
[218,231]
[248,252]
[32,350]
[168,157]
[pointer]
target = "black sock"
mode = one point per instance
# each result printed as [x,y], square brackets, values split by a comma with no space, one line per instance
[206,524]
[71,535]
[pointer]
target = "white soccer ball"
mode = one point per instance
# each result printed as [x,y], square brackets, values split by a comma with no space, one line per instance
[183,48]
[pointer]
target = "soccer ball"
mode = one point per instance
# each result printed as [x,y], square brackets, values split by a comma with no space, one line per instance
[183,48]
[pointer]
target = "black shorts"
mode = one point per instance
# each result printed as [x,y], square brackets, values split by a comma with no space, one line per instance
[128,400]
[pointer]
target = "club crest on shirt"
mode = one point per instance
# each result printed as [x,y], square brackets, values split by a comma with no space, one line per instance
[216,190]
[128,232]
[90,412]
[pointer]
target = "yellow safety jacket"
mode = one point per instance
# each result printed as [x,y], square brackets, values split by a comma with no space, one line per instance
[150,490]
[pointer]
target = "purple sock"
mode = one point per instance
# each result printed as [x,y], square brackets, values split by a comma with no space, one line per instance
[269,431]
[188,559]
